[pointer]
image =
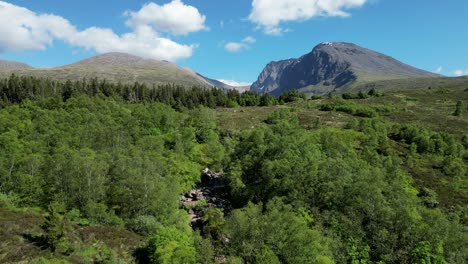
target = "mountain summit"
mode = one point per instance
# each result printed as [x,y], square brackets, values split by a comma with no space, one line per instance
[333,67]
[117,67]
[13,65]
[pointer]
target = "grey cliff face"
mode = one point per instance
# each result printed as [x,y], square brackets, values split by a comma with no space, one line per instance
[333,65]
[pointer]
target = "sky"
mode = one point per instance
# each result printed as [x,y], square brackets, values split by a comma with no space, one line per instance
[232,40]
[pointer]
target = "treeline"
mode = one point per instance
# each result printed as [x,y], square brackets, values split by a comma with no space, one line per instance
[16,89]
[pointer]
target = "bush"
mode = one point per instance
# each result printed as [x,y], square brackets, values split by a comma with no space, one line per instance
[75,217]
[267,100]
[99,253]
[362,95]
[327,107]
[277,116]
[428,197]
[291,96]
[54,229]
[7,201]
[465,141]
[458,109]
[144,225]
[365,112]
[98,214]
[348,96]
[375,93]
[350,108]
[171,245]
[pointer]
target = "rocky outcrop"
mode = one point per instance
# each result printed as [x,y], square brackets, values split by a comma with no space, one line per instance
[212,192]
[330,66]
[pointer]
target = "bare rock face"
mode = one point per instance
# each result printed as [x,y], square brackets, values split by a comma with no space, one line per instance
[333,65]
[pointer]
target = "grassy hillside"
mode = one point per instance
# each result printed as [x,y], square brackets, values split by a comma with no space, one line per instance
[366,82]
[13,65]
[117,67]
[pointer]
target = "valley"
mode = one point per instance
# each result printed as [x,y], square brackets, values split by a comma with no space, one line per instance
[115,174]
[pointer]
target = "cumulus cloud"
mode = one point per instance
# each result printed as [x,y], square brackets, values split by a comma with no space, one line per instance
[23,29]
[269,14]
[239,46]
[461,72]
[174,17]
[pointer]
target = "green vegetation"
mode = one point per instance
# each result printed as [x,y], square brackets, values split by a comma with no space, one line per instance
[16,89]
[92,172]
[458,109]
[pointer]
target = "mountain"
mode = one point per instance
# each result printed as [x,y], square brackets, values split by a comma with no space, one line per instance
[333,67]
[218,84]
[13,65]
[119,67]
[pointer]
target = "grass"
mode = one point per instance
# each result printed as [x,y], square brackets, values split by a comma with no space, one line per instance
[426,107]
[20,236]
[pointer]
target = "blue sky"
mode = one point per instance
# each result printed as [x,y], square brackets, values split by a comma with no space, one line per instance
[233,40]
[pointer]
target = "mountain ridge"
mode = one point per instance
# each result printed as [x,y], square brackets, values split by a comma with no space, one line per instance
[332,67]
[13,65]
[120,67]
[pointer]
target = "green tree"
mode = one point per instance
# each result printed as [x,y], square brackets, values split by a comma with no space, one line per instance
[54,229]
[171,245]
[267,100]
[458,109]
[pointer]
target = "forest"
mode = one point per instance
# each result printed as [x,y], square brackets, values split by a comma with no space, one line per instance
[93,172]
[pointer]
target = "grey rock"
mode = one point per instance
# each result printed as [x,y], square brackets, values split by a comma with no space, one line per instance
[332,67]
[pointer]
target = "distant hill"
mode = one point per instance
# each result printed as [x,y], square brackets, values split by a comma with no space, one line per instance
[13,65]
[217,83]
[333,67]
[118,67]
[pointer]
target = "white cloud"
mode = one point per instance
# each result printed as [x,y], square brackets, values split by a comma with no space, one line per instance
[234,83]
[269,14]
[235,46]
[239,46]
[439,70]
[174,17]
[461,72]
[249,39]
[22,29]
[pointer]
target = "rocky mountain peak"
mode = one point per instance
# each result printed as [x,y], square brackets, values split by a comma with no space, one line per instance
[330,66]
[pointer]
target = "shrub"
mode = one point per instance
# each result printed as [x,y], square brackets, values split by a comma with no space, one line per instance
[7,201]
[458,109]
[375,93]
[291,96]
[348,95]
[144,225]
